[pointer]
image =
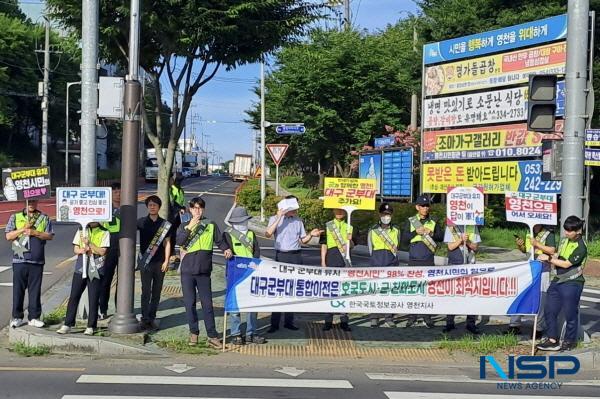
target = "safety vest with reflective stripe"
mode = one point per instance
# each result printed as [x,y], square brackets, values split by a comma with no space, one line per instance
[240,249]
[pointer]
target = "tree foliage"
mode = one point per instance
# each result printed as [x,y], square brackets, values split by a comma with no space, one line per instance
[183,45]
[346,87]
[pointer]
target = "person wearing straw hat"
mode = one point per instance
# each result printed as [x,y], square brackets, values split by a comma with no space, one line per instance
[243,243]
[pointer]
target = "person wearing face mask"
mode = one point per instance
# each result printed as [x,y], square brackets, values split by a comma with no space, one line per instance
[383,241]
[566,286]
[243,243]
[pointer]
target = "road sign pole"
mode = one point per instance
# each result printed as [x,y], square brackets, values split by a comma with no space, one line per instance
[575,113]
[262,143]
[277,179]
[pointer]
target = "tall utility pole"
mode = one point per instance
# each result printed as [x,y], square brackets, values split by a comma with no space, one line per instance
[575,113]
[414,105]
[89,90]
[263,177]
[347,15]
[45,94]
[124,321]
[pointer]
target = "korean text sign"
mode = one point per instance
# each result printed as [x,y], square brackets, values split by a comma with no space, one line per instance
[255,285]
[498,106]
[531,208]
[464,206]
[503,141]
[26,183]
[509,38]
[495,70]
[83,204]
[357,193]
[493,177]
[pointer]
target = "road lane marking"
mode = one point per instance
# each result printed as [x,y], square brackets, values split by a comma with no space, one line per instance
[4,268]
[6,284]
[591,291]
[443,395]
[139,397]
[66,262]
[213,381]
[458,379]
[65,369]
[590,299]
[200,193]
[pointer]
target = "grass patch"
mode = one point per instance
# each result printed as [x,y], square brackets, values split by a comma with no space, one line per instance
[56,316]
[594,247]
[180,345]
[29,351]
[501,237]
[482,345]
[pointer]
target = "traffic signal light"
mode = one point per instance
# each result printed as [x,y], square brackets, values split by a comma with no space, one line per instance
[542,103]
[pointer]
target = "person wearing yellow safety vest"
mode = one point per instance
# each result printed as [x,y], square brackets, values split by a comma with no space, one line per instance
[93,245]
[176,207]
[335,241]
[112,257]
[421,234]
[243,243]
[196,239]
[566,286]
[28,232]
[463,243]
[383,241]
[544,242]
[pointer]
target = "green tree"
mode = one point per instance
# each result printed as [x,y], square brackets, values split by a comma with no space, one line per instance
[183,45]
[345,86]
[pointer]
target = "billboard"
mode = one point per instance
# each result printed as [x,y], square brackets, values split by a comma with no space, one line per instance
[370,168]
[502,141]
[504,39]
[493,177]
[495,70]
[498,106]
[397,173]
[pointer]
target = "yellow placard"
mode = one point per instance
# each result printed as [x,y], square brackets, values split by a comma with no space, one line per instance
[592,163]
[356,193]
[495,70]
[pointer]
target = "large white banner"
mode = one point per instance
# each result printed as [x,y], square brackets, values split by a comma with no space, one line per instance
[255,285]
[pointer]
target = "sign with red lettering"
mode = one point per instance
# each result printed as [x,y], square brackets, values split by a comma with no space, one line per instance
[531,208]
[464,206]
[277,152]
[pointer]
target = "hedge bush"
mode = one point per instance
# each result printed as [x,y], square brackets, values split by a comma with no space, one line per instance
[249,195]
[292,182]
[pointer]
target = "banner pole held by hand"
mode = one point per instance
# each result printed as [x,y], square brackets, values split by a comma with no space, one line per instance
[349,210]
[532,254]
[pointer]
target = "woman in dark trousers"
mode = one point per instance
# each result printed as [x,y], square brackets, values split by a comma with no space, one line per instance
[566,286]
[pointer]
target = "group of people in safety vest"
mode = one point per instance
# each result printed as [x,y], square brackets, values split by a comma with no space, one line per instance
[97,258]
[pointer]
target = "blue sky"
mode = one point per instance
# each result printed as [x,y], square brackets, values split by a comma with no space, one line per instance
[221,103]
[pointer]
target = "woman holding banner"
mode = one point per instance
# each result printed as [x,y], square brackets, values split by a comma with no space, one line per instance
[566,287]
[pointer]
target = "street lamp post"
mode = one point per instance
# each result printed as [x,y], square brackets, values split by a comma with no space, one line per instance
[69,84]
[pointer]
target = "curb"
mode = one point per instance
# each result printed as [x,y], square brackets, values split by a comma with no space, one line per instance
[67,344]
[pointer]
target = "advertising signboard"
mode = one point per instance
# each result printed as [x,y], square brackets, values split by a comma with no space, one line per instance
[503,39]
[502,141]
[493,177]
[498,106]
[397,179]
[370,168]
[495,70]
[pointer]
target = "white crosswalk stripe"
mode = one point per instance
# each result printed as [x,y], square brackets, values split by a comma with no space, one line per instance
[590,299]
[138,397]
[213,381]
[591,291]
[441,395]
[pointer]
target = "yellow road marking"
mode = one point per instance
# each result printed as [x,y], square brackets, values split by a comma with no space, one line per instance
[66,369]
[66,262]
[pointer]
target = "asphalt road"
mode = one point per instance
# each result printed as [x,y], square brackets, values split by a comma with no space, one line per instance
[235,376]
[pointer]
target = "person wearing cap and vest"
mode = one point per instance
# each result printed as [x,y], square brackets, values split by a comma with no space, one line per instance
[463,243]
[28,232]
[383,241]
[91,249]
[153,260]
[196,239]
[112,257]
[243,243]
[544,243]
[335,241]
[289,233]
[566,286]
[421,234]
